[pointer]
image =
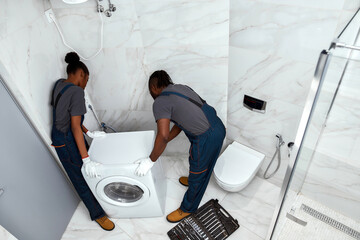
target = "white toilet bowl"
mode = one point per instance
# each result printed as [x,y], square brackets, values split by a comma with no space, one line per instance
[237,166]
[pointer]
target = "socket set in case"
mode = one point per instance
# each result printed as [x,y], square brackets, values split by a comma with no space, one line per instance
[210,222]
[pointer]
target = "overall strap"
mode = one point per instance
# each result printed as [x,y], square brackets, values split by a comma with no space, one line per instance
[167,93]
[53,91]
[61,93]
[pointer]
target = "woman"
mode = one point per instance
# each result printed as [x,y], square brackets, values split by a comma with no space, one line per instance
[67,134]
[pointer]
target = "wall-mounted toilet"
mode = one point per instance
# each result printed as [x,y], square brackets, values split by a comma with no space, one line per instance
[237,166]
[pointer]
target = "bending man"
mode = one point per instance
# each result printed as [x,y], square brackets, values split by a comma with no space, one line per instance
[190,113]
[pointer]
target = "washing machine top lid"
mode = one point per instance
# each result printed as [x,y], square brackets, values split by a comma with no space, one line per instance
[122,148]
[237,164]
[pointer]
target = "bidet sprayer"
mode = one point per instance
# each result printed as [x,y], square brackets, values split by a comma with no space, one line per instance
[277,153]
[280,140]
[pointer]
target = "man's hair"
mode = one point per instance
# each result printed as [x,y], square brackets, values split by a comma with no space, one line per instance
[160,79]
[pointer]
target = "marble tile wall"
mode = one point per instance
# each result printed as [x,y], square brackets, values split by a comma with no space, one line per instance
[333,176]
[317,120]
[31,60]
[269,52]
[188,39]
[274,47]
[335,184]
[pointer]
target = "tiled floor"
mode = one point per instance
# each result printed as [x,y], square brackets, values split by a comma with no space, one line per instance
[252,207]
[5,235]
[315,229]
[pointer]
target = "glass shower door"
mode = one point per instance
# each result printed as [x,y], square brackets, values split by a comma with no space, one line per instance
[322,197]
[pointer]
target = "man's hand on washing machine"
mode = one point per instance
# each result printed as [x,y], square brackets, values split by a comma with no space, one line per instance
[95,134]
[91,167]
[145,164]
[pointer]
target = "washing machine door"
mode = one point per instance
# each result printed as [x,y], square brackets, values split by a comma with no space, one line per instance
[122,191]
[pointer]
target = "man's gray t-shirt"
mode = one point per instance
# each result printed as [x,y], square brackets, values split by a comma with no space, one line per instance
[71,103]
[181,110]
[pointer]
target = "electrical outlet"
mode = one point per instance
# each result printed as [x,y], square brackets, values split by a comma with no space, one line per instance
[47,14]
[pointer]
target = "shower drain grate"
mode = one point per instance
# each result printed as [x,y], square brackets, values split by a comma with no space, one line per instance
[349,231]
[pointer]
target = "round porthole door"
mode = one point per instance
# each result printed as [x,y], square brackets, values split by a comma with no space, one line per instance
[122,191]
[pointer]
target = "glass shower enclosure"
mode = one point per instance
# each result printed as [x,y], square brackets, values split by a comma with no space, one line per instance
[320,197]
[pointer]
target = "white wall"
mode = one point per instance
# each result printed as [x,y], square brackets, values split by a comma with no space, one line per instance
[188,39]
[333,174]
[32,55]
[270,52]
[274,47]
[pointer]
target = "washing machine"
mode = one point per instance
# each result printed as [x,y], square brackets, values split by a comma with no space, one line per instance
[119,191]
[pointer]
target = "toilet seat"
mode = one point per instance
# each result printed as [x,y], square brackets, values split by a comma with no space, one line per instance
[237,166]
[230,187]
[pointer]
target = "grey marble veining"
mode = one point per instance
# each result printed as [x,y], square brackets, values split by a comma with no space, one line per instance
[280,30]
[35,63]
[193,48]
[323,4]
[333,174]
[183,23]
[332,197]
[136,44]
[272,57]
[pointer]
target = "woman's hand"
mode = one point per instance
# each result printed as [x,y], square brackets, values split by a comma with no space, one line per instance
[91,168]
[96,134]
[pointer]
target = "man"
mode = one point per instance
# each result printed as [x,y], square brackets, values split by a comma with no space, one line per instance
[204,129]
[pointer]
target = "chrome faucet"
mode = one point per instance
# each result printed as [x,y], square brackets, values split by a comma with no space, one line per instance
[107,12]
[105,127]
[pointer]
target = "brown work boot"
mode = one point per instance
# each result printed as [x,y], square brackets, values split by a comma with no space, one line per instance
[184,181]
[105,223]
[177,215]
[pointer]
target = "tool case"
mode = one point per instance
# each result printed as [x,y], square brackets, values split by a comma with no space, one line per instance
[210,222]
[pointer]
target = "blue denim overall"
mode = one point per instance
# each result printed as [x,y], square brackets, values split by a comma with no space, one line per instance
[204,151]
[69,155]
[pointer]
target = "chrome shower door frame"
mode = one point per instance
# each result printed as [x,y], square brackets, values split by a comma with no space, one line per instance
[311,100]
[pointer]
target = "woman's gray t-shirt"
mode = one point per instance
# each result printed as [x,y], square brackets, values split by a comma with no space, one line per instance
[181,110]
[71,103]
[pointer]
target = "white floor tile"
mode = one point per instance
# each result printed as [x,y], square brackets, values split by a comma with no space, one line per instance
[315,229]
[155,228]
[5,235]
[213,191]
[179,166]
[82,228]
[245,234]
[254,206]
